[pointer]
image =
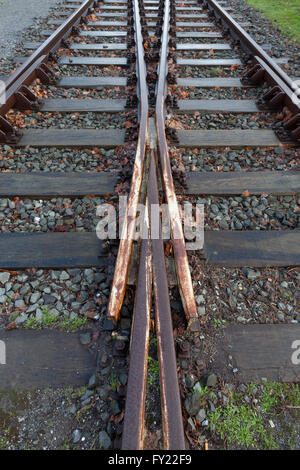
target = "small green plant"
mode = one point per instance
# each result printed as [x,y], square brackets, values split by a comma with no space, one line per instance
[275,394]
[218,323]
[32,324]
[238,424]
[243,424]
[80,392]
[113,382]
[153,371]
[215,72]
[72,324]
[48,319]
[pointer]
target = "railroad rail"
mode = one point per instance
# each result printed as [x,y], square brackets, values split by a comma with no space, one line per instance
[152,180]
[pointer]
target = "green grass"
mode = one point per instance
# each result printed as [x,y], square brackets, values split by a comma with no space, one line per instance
[240,423]
[153,371]
[53,320]
[284,14]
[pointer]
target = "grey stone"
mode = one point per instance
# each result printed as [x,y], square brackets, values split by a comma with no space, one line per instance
[86,395]
[19,303]
[39,315]
[197,387]
[76,435]
[104,440]
[32,308]
[53,312]
[191,426]
[201,415]
[192,403]
[201,310]
[64,276]
[103,392]
[88,306]
[49,299]
[104,416]
[4,277]
[85,338]
[35,297]
[200,299]
[241,319]
[115,409]
[190,380]
[123,379]
[93,382]
[72,409]
[211,380]
[252,275]
[212,406]
[21,318]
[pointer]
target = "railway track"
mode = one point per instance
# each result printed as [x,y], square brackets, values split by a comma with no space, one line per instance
[154,50]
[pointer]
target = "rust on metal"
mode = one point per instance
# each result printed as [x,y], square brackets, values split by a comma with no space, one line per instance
[273,79]
[181,259]
[133,430]
[27,72]
[126,242]
[172,424]
[248,41]
[53,42]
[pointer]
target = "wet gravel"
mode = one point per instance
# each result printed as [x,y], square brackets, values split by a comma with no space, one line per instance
[196,93]
[66,159]
[47,298]
[210,72]
[246,295]
[235,160]
[199,120]
[42,120]
[26,215]
[266,212]
[78,93]
[89,70]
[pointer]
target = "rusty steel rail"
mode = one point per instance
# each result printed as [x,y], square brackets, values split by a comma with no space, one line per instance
[125,248]
[152,264]
[247,42]
[265,70]
[171,414]
[15,91]
[181,260]
[133,429]
[53,42]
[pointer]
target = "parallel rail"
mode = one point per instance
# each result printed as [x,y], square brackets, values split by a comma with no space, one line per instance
[152,162]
